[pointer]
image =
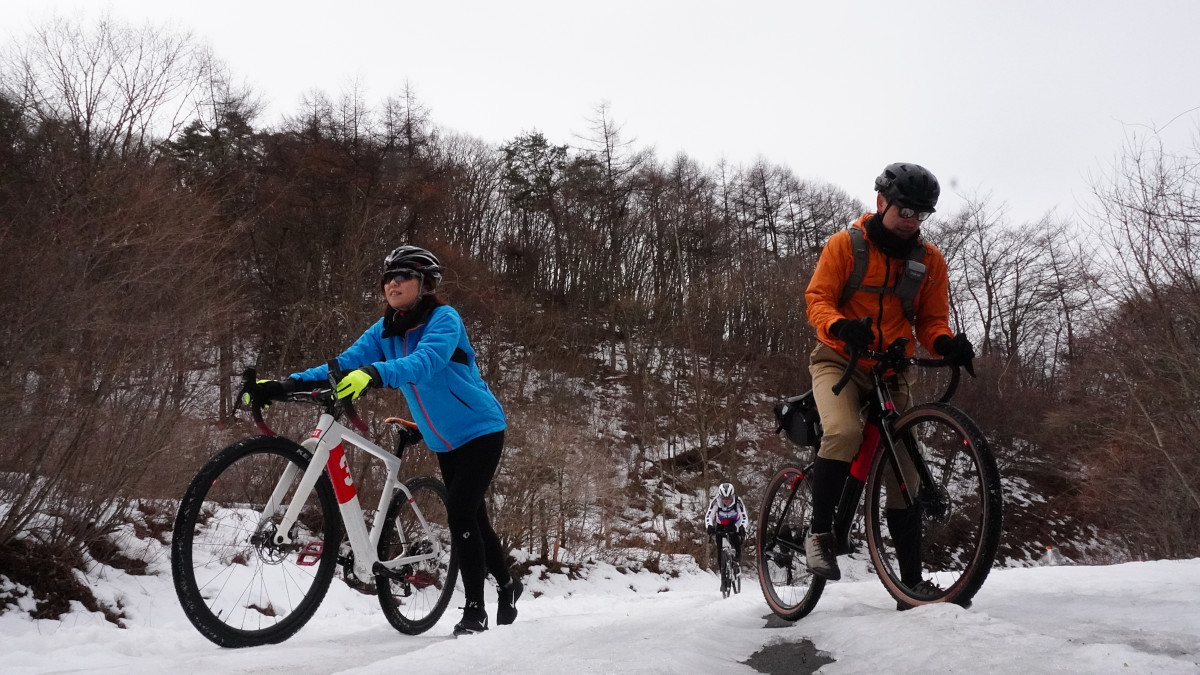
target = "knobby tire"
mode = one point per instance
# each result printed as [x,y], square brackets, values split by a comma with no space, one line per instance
[414,602]
[726,577]
[735,575]
[791,590]
[961,515]
[236,586]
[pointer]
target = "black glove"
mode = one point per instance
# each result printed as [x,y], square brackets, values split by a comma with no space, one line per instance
[957,351]
[856,334]
[263,392]
[711,530]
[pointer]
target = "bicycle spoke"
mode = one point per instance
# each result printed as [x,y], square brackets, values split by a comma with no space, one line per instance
[237,586]
[417,595]
[942,547]
[790,588]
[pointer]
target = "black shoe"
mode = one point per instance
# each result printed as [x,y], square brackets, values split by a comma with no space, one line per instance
[506,612]
[820,556]
[474,620]
[924,590]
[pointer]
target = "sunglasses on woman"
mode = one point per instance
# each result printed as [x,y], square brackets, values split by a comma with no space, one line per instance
[399,275]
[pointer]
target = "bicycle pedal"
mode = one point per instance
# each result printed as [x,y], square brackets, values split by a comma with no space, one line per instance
[311,554]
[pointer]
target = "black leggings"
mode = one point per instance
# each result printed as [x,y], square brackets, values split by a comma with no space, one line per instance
[735,539]
[467,471]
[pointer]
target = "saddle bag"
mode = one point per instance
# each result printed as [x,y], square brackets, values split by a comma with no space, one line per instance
[797,419]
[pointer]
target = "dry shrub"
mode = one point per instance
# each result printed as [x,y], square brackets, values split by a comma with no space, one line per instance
[50,572]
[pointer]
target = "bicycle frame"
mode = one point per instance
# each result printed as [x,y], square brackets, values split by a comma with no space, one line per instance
[877,434]
[328,454]
[727,547]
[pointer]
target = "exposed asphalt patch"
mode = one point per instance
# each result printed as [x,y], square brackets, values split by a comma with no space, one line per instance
[776,622]
[787,658]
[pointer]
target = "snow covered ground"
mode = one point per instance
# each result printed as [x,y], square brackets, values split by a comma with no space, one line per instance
[1132,618]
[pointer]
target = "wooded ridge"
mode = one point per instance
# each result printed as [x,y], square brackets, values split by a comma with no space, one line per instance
[636,315]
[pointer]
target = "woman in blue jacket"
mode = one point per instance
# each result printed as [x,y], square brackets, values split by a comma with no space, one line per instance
[420,347]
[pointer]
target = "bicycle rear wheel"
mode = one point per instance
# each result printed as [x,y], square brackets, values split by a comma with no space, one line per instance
[941,549]
[790,588]
[236,585]
[416,597]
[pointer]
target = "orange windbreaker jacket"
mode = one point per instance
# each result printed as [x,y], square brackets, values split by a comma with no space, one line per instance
[931,306]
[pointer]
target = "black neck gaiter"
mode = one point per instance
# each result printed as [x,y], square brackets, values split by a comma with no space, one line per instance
[398,323]
[891,245]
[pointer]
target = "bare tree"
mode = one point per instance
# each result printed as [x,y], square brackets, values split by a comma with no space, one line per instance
[1137,380]
[117,89]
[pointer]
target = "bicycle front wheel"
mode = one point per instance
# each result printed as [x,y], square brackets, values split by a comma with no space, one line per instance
[236,585]
[726,573]
[735,574]
[941,548]
[415,596]
[790,588]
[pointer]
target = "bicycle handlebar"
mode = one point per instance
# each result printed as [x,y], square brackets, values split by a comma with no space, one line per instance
[326,398]
[896,358]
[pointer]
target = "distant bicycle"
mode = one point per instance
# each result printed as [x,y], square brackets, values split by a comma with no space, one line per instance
[264,524]
[731,571]
[957,496]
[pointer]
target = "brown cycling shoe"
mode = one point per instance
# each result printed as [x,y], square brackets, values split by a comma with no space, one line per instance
[820,554]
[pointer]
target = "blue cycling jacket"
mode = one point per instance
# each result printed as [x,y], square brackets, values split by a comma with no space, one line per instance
[434,365]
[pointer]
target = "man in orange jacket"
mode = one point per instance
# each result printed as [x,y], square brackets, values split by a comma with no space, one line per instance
[907,195]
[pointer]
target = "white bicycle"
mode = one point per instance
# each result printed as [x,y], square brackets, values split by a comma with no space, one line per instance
[258,536]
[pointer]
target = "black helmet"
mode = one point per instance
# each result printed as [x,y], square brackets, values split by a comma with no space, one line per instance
[911,184]
[417,259]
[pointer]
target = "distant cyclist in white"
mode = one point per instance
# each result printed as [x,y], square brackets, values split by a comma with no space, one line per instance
[726,517]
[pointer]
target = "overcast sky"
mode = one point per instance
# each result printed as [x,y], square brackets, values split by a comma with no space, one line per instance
[1027,101]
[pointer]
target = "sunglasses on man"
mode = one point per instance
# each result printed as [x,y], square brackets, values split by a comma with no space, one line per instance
[906,212]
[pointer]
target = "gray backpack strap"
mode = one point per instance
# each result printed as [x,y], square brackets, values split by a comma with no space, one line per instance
[859,242]
[910,282]
[906,287]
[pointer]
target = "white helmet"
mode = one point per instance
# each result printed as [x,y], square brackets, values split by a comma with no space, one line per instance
[725,492]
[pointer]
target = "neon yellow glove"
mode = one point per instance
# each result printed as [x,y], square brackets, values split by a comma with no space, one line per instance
[354,383]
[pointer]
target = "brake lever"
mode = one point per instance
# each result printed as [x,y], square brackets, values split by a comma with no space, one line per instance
[335,375]
[249,377]
[855,353]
